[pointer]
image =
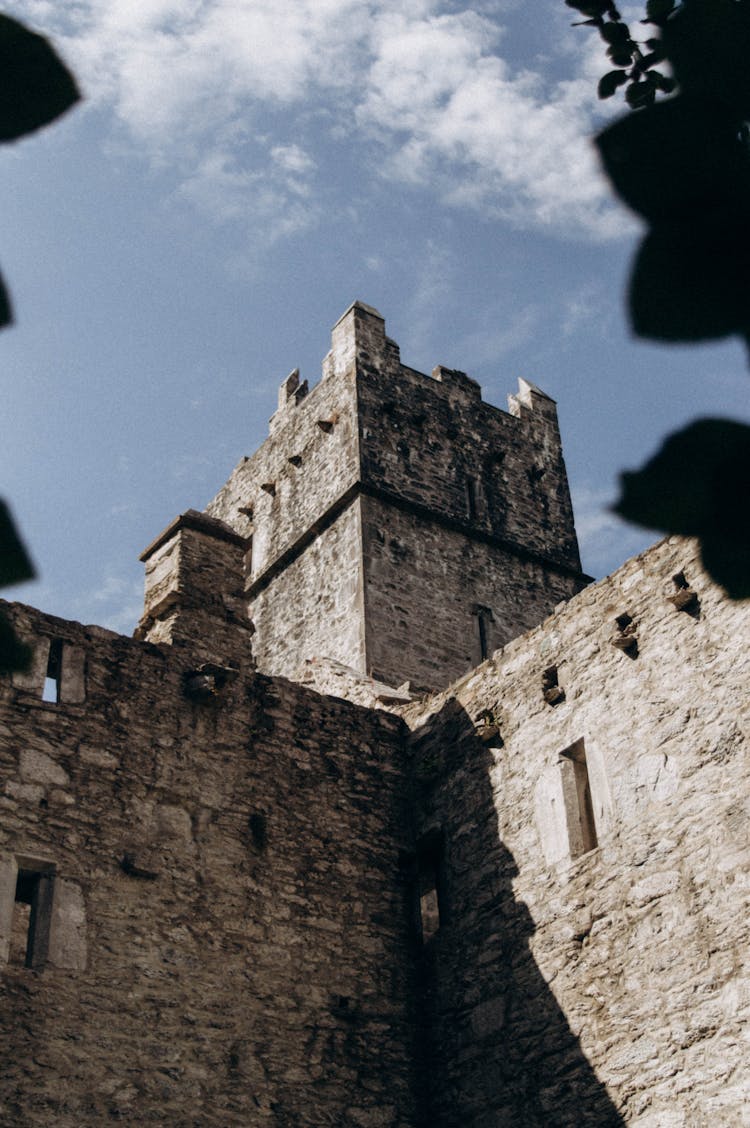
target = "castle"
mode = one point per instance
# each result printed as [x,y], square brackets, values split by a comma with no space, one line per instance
[386,817]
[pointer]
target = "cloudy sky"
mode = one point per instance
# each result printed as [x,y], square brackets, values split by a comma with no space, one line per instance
[239,172]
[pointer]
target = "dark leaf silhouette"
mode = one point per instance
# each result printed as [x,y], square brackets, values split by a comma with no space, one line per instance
[609,83]
[697,485]
[14,654]
[691,282]
[35,86]
[590,8]
[6,310]
[708,43]
[15,566]
[659,9]
[675,158]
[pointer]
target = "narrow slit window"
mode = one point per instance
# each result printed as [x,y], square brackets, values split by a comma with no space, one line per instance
[31,918]
[53,678]
[579,808]
[484,618]
[483,643]
[471,498]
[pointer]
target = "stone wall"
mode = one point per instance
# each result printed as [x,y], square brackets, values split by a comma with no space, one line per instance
[583,801]
[314,606]
[221,935]
[432,441]
[427,587]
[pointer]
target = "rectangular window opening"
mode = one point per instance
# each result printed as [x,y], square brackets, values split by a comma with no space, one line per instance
[31,918]
[430,884]
[552,691]
[53,678]
[579,808]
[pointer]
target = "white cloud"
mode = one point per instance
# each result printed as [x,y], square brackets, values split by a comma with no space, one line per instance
[420,88]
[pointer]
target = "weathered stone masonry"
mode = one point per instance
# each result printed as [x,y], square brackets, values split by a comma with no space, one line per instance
[621,917]
[229,939]
[228,898]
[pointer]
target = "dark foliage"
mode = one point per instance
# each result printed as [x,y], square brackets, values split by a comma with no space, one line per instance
[697,485]
[684,165]
[35,88]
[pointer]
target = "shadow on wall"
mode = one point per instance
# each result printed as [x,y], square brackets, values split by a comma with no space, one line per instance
[495,1049]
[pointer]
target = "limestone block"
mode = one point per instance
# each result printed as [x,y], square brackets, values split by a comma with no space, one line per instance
[32,680]
[8,876]
[37,767]
[67,937]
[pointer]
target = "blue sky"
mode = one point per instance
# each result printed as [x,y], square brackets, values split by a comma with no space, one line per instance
[239,172]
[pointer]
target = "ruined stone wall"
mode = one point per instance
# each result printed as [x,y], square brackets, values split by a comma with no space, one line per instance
[227,936]
[583,804]
[426,587]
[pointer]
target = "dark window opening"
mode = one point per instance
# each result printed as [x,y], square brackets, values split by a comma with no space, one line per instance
[483,645]
[53,679]
[484,617]
[31,918]
[579,807]
[551,689]
[430,878]
[471,497]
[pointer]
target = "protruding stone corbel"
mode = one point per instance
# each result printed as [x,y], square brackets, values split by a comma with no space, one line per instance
[626,638]
[684,598]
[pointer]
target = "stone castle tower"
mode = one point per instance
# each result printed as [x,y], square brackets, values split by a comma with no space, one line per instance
[240,888]
[394,522]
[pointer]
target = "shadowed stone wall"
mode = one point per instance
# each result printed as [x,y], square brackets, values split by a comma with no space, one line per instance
[229,938]
[593,863]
